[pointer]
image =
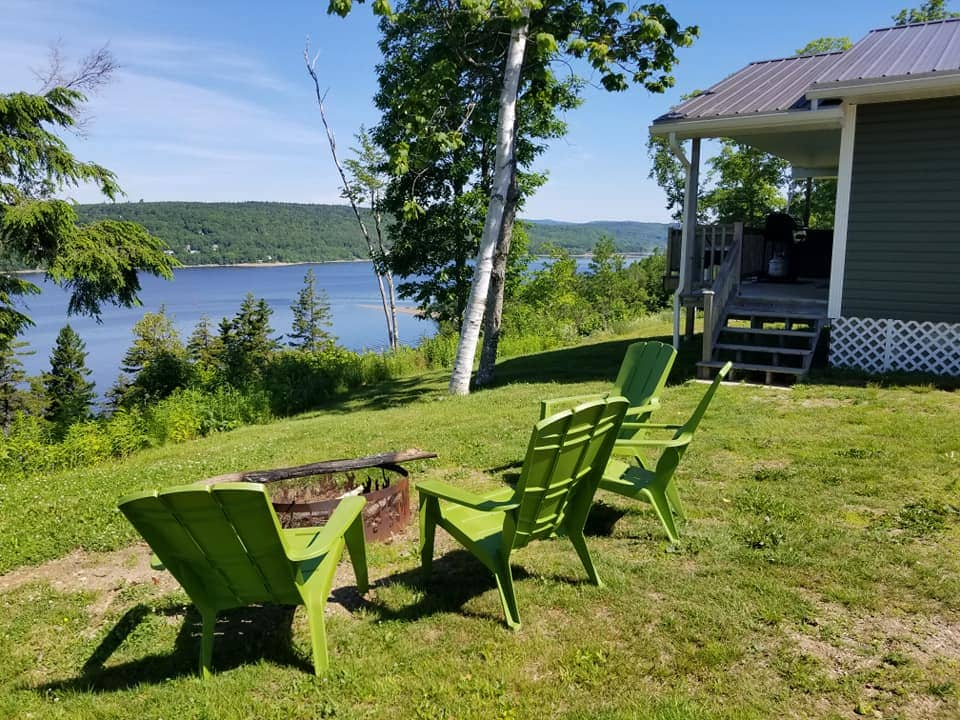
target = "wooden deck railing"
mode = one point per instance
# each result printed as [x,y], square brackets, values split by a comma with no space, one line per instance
[711,246]
[725,286]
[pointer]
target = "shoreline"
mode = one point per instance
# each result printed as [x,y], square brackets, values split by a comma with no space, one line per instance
[275,264]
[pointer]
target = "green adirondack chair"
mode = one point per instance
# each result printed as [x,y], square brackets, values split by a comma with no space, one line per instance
[224,545]
[566,454]
[657,485]
[641,377]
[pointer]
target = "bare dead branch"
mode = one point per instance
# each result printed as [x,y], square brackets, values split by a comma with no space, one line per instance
[350,194]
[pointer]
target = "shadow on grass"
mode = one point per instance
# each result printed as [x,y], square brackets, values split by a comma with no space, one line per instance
[243,635]
[458,576]
[858,378]
[585,363]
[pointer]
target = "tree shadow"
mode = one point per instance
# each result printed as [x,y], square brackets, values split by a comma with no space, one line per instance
[243,636]
[380,396]
[857,378]
[585,363]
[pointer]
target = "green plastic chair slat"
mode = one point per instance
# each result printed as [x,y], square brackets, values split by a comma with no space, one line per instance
[658,486]
[641,377]
[224,545]
[561,471]
[201,516]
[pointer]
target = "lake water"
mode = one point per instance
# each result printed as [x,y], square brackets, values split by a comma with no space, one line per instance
[217,292]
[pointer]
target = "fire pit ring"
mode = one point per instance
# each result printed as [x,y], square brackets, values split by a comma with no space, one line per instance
[380,479]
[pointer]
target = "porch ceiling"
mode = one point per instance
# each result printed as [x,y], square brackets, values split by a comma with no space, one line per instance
[811,149]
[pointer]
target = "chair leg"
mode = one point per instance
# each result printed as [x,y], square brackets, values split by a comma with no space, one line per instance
[206,642]
[315,602]
[674,497]
[660,503]
[507,596]
[429,514]
[357,547]
[580,543]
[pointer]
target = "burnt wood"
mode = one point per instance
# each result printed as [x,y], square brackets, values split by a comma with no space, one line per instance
[387,461]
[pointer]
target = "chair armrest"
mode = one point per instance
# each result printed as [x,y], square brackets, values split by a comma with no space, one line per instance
[644,409]
[346,513]
[459,496]
[625,447]
[649,426]
[555,405]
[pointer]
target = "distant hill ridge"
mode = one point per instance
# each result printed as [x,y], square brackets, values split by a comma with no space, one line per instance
[249,232]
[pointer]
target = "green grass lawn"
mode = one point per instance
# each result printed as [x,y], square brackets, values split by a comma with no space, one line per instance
[819,573]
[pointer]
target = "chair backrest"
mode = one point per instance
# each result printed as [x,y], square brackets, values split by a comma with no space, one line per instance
[644,371]
[564,461]
[221,542]
[671,456]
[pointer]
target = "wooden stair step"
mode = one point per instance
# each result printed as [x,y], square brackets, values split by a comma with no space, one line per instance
[770,331]
[811,317]
[763,349]
[750,367]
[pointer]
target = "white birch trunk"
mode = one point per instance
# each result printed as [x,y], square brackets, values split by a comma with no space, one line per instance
[473,315]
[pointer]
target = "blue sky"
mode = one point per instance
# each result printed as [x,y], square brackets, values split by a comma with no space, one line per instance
[212,101]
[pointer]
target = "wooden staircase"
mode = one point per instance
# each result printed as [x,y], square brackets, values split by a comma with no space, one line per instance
[769,340]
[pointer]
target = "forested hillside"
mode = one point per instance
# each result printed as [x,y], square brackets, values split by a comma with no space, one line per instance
[226,233]
[629,237]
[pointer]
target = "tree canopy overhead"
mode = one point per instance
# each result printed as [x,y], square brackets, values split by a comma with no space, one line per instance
[622,46]
[927,12]
[97,262]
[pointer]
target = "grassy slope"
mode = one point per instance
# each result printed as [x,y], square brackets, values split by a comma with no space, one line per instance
[810,581]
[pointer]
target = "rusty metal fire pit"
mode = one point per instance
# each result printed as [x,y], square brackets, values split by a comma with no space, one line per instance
[310,501]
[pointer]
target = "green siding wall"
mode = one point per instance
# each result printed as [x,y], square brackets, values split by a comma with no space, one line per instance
[903,237]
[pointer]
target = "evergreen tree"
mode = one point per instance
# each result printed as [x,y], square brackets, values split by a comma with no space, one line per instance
[203,346]
[247,345]
[312,319]
[156,362]
[13,398]
[69,393]
[96,262]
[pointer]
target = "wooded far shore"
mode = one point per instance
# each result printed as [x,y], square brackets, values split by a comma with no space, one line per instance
[270,232]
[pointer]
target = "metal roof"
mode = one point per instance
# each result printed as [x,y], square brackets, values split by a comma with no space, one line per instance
[780,85]
[767,86]
[900,52]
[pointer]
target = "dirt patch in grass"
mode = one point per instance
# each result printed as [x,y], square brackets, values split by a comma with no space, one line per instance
[81,571]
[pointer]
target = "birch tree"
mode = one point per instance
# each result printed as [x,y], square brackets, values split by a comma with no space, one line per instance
[504,169]
[621,45]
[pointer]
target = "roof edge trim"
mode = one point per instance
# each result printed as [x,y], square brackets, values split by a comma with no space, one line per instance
[823,119]
[932,84]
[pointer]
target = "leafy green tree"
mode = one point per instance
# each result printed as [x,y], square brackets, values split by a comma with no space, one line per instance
[825,45]
[746,184]
[619,44]
[928,11]
[247,345]
[442,144]
[155,364]
[312,319]
[96,263]
[609,288]
[69,393]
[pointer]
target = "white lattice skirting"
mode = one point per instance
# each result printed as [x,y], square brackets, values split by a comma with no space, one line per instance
[881,345]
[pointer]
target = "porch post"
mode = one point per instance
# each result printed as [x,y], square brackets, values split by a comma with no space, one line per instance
[689,227]
[842,213]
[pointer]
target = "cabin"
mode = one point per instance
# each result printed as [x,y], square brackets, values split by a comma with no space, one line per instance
[882,289]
